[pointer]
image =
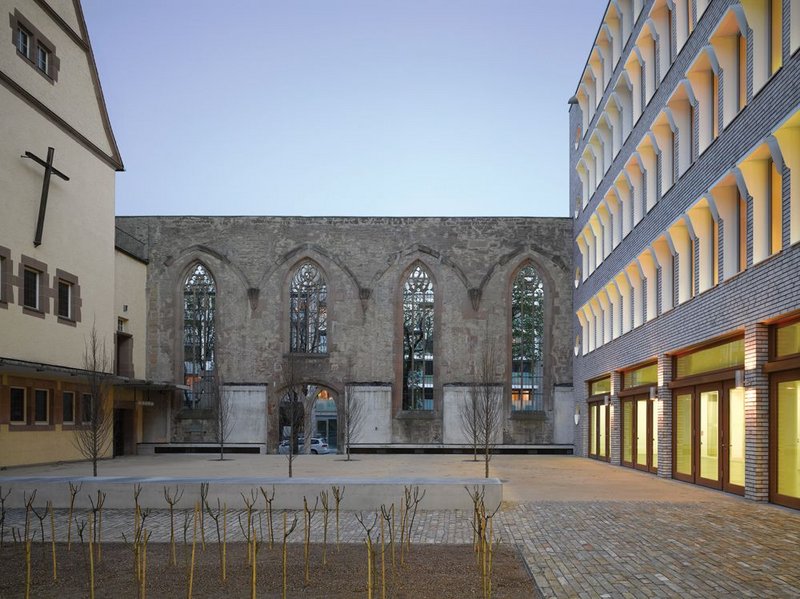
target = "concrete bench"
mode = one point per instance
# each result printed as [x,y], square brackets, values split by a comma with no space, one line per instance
[361,494]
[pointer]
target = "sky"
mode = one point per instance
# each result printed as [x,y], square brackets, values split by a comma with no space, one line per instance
[342,107]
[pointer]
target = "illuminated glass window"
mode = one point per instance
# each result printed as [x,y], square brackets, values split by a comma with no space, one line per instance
[600,386]
[787,340]
[644,375]
[717,357]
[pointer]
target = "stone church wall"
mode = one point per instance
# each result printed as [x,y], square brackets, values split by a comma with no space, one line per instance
[472,262]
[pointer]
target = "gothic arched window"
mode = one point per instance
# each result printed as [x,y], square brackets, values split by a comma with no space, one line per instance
[527,332]
[199,332]
[418,340]
[308,310]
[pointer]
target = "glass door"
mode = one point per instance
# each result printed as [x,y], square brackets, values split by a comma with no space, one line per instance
[708,436]
[602,431]
[785,439]
[733,440]
[598,430]
[654,409]
[642,433]
[627,432]
[683,434]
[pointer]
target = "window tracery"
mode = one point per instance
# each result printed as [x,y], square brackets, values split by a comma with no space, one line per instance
[308,310]
[418,339]
[199,332]
[527,332]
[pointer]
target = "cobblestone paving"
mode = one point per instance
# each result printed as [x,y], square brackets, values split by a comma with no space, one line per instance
[732,548]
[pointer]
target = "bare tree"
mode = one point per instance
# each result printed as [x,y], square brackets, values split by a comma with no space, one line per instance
[483,408]
[309,395]
[94,433]
[471,421]
[221,410]
[291,408]
[353,414]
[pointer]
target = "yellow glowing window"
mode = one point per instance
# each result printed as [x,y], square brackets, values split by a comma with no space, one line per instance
[787,340]
[788,447]
[646,375]
[627,431]
[600,387]
[683,434]
[718,357]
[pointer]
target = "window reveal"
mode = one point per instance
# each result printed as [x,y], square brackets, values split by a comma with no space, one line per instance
[418,339]
[30,293]
[308,310]
[199,333]
[527,332]
[17,405]
[64,299]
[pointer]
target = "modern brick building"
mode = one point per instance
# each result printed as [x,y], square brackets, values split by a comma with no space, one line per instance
[685,193]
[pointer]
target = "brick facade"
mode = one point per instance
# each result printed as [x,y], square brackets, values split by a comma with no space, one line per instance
[745,303]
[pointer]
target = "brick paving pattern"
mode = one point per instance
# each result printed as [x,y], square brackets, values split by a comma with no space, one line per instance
[732,548]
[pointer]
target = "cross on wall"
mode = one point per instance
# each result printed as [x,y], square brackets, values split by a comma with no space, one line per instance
[49,169]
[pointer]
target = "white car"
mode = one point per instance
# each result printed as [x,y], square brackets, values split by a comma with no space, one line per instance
[318,446]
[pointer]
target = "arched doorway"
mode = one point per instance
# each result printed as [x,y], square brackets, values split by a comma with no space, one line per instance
[309,405]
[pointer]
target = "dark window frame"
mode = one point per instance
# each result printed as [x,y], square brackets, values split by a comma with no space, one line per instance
[11,399]
[26,50]
[43,59]
[43,293]
[47,411]
[31,288]
[6,266]
[86,414]
[64,277]
[71,403]
[36,39]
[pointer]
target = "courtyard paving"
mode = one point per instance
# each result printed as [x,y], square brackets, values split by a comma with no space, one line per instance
[584,528]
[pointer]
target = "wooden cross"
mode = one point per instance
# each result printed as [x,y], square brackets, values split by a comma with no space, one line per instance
[48,170]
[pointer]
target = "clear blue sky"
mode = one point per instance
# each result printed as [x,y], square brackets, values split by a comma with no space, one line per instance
[342,107]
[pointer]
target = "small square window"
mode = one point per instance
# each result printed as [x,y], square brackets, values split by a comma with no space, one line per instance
[86,408]
[43,59]
[17,405]
[23,42]
[68,407]
[30,295]
[41,406]
[64,299]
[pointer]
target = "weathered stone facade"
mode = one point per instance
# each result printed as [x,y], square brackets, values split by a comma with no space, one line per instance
[472,262]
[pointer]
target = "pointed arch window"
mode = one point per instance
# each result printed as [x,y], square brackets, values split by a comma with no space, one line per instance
[527,332]
[199,331]
[308,310]
[418,340]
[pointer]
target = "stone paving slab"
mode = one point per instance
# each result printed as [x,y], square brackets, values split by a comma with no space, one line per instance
[288,493]
[573,549]
[584,528]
